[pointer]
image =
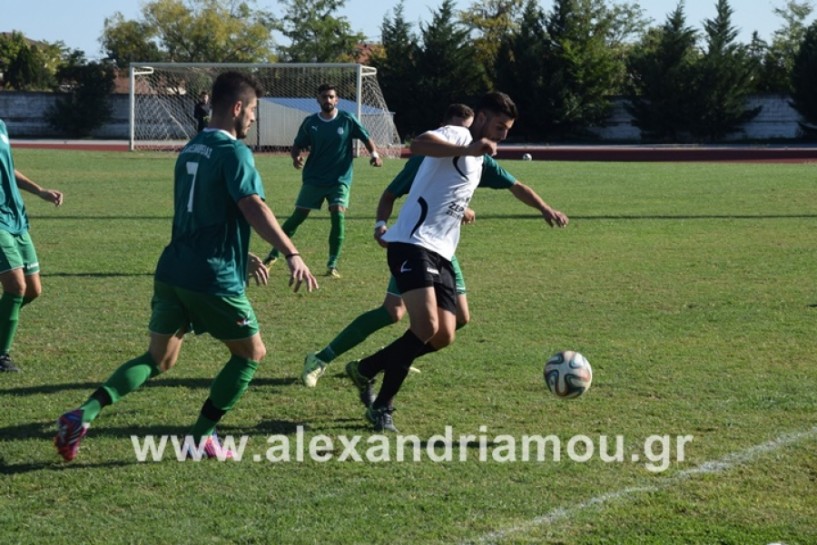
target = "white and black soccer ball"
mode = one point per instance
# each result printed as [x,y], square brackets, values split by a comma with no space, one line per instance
[568,374]
[526,157]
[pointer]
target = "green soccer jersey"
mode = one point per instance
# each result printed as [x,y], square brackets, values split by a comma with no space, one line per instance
[493,176]
[209,246]
[330,148]
[13,216]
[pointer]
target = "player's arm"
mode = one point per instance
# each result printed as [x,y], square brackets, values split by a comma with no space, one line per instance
[375,160]
[50,195]
[385,207]
[261,218]
[432,144]
[532,199]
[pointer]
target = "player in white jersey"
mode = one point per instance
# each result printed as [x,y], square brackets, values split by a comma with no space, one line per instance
[422,242]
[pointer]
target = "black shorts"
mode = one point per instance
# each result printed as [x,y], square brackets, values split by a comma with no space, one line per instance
[414,267]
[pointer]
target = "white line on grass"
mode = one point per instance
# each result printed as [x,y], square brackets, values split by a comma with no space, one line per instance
[713,466]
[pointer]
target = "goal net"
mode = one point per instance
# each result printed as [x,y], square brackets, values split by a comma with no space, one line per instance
[163,97]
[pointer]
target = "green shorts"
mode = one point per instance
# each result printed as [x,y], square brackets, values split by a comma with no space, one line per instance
[17,252]
[312,196]
[225,318]
[459,280]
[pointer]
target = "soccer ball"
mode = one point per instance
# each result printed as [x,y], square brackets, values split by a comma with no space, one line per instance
[568,374]
[526,157]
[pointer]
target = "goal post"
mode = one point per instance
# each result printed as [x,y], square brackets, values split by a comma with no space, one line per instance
[163,96]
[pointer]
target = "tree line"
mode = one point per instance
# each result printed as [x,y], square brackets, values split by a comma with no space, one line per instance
[562,65]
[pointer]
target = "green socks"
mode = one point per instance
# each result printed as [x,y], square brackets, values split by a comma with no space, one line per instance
[226,390]
[356,332]
[336,235]
[129,377]
[9,318]
[291,225]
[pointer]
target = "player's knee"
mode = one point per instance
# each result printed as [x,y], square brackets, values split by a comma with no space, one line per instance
[396,313]
[442,339]
[32,292]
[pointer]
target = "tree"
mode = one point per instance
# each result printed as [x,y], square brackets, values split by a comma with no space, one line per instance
[130,41]
[777,59]
[804,81]
[87,105]
[447,68]
[490,21]
[584,63]
[396,64]
[520,68]
[722,80]
[32,69]
[191,31]
[316,34]
[660,75]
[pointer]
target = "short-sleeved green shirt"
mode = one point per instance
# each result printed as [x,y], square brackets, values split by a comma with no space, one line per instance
[13,216]
[330,148]
[209,246]
[493,176]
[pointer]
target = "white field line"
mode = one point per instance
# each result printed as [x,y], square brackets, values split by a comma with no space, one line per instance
[713,466]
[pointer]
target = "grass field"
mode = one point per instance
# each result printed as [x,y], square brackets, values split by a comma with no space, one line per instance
[689,287]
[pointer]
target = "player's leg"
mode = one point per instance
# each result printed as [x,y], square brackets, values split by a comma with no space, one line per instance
[291,225]
[168,323]
[34,287]
[218,315]
[17,259]
[11,301]
[390,312]
[338,203]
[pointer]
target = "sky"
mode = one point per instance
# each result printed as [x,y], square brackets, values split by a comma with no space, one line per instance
[79,23]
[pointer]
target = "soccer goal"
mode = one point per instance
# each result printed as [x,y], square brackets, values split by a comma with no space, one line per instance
[163,96]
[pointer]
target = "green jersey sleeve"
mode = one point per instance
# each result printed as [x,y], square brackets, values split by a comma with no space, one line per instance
[494,176]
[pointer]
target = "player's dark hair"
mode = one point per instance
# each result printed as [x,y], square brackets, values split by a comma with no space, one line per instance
[326,87]
[457,110]
[498,103]
[231,87]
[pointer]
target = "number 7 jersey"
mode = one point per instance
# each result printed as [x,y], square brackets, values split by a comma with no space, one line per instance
[209,245]
[432,214]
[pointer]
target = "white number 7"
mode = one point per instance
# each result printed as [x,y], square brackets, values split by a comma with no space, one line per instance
[192,170]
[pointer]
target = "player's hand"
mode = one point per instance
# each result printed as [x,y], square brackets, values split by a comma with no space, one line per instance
[52,196]
[555,218]
[257,270]
[300,274]
[478,148]
[378,235]
[469,216]
[298,162]
[376,162]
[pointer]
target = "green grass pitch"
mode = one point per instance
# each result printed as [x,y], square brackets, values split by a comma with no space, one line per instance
[689,287]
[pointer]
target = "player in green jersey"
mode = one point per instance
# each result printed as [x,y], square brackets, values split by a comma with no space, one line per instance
[19,266]
[200,279]
[327,174]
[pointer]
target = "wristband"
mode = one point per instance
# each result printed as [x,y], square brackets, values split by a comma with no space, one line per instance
[379,224]
[288,256]
[374,155]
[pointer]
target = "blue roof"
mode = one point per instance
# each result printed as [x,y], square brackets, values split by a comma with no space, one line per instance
[310,105]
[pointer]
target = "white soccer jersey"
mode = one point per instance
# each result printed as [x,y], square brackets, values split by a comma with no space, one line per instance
[432,213]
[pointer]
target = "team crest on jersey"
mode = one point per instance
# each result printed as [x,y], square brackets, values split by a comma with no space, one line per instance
[340,131]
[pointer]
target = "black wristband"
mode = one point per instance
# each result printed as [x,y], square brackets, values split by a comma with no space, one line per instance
[291,255]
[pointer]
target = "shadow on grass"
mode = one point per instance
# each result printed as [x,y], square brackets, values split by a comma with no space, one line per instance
[95,274]
[57,465]
[158,383]
[640,217]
